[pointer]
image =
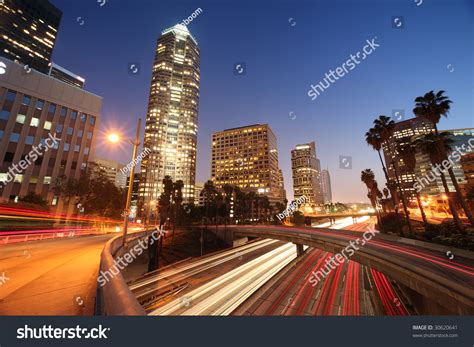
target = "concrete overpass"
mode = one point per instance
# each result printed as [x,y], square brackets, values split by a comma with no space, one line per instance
[440,284]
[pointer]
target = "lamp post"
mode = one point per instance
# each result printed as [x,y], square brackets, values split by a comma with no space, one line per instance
[115,138]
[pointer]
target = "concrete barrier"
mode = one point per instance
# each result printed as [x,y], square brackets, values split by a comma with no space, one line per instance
[115,298]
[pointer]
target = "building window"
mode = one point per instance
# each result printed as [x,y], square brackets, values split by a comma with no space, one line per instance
[26,100]
[63,111]
[52,108]
[77,148]
[11,95]
[3,177]
[54,202]
[83,166]
[47,125]
[83,118]
[29,140]
[4,114]
[20,118]
[47,180]
[59,128]
[73,114]
[1,134]
[15,137]
[92,120]
[89,135]
[70,131]
[39,104]
[33,179]
[18,178]
[56,145]
[79,133]
[8,157]
[86,150]
[34,122]
[66,147]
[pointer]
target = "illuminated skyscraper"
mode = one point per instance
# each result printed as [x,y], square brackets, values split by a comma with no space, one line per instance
[28,30]
[247,157]
[172,117]
[326,185]
[307,173]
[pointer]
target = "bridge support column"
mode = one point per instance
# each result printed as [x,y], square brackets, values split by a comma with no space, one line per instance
[299,249]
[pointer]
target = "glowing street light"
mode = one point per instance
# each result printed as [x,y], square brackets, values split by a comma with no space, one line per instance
[115,138]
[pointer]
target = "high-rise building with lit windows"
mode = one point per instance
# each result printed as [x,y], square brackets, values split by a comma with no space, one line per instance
[326,185]
[247,157]
[403,134]
[28,30]
[33,107]
[306,170]
[172,117]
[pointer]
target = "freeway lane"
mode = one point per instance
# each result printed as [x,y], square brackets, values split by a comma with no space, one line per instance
[450,276]
[350,289]
[51,277]
[160,287]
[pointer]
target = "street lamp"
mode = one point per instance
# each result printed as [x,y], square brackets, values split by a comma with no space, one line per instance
[114,138]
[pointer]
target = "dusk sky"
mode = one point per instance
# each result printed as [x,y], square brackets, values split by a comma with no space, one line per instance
[286,46]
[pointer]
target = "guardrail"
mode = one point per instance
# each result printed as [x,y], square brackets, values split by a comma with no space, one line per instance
[26,237]
[114,298]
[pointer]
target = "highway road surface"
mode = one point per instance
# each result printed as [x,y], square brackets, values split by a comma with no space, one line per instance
[50,277]
[268,279]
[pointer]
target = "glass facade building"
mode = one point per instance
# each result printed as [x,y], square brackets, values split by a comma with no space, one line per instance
[306,169]
[28,30]
[172,117]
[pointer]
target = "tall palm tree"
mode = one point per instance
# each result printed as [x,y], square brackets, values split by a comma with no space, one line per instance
[432,107]
[177,197]
[432,145]
[385,126]
[210,193]
[407,153]
[266,206]
[368,178]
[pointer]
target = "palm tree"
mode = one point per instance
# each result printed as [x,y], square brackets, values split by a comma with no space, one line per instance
[384,126]
[251,198]
[368,178]
[177,197]
[209,196]
[265,203]
[407,153]
[432,107]
[433,145]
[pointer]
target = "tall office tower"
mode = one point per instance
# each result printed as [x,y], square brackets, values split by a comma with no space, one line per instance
[113,171]
[28,30]
[247,157]
[403,133]
[460,139]
[34,107]
[172,117]
[326,186]
[306,170]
